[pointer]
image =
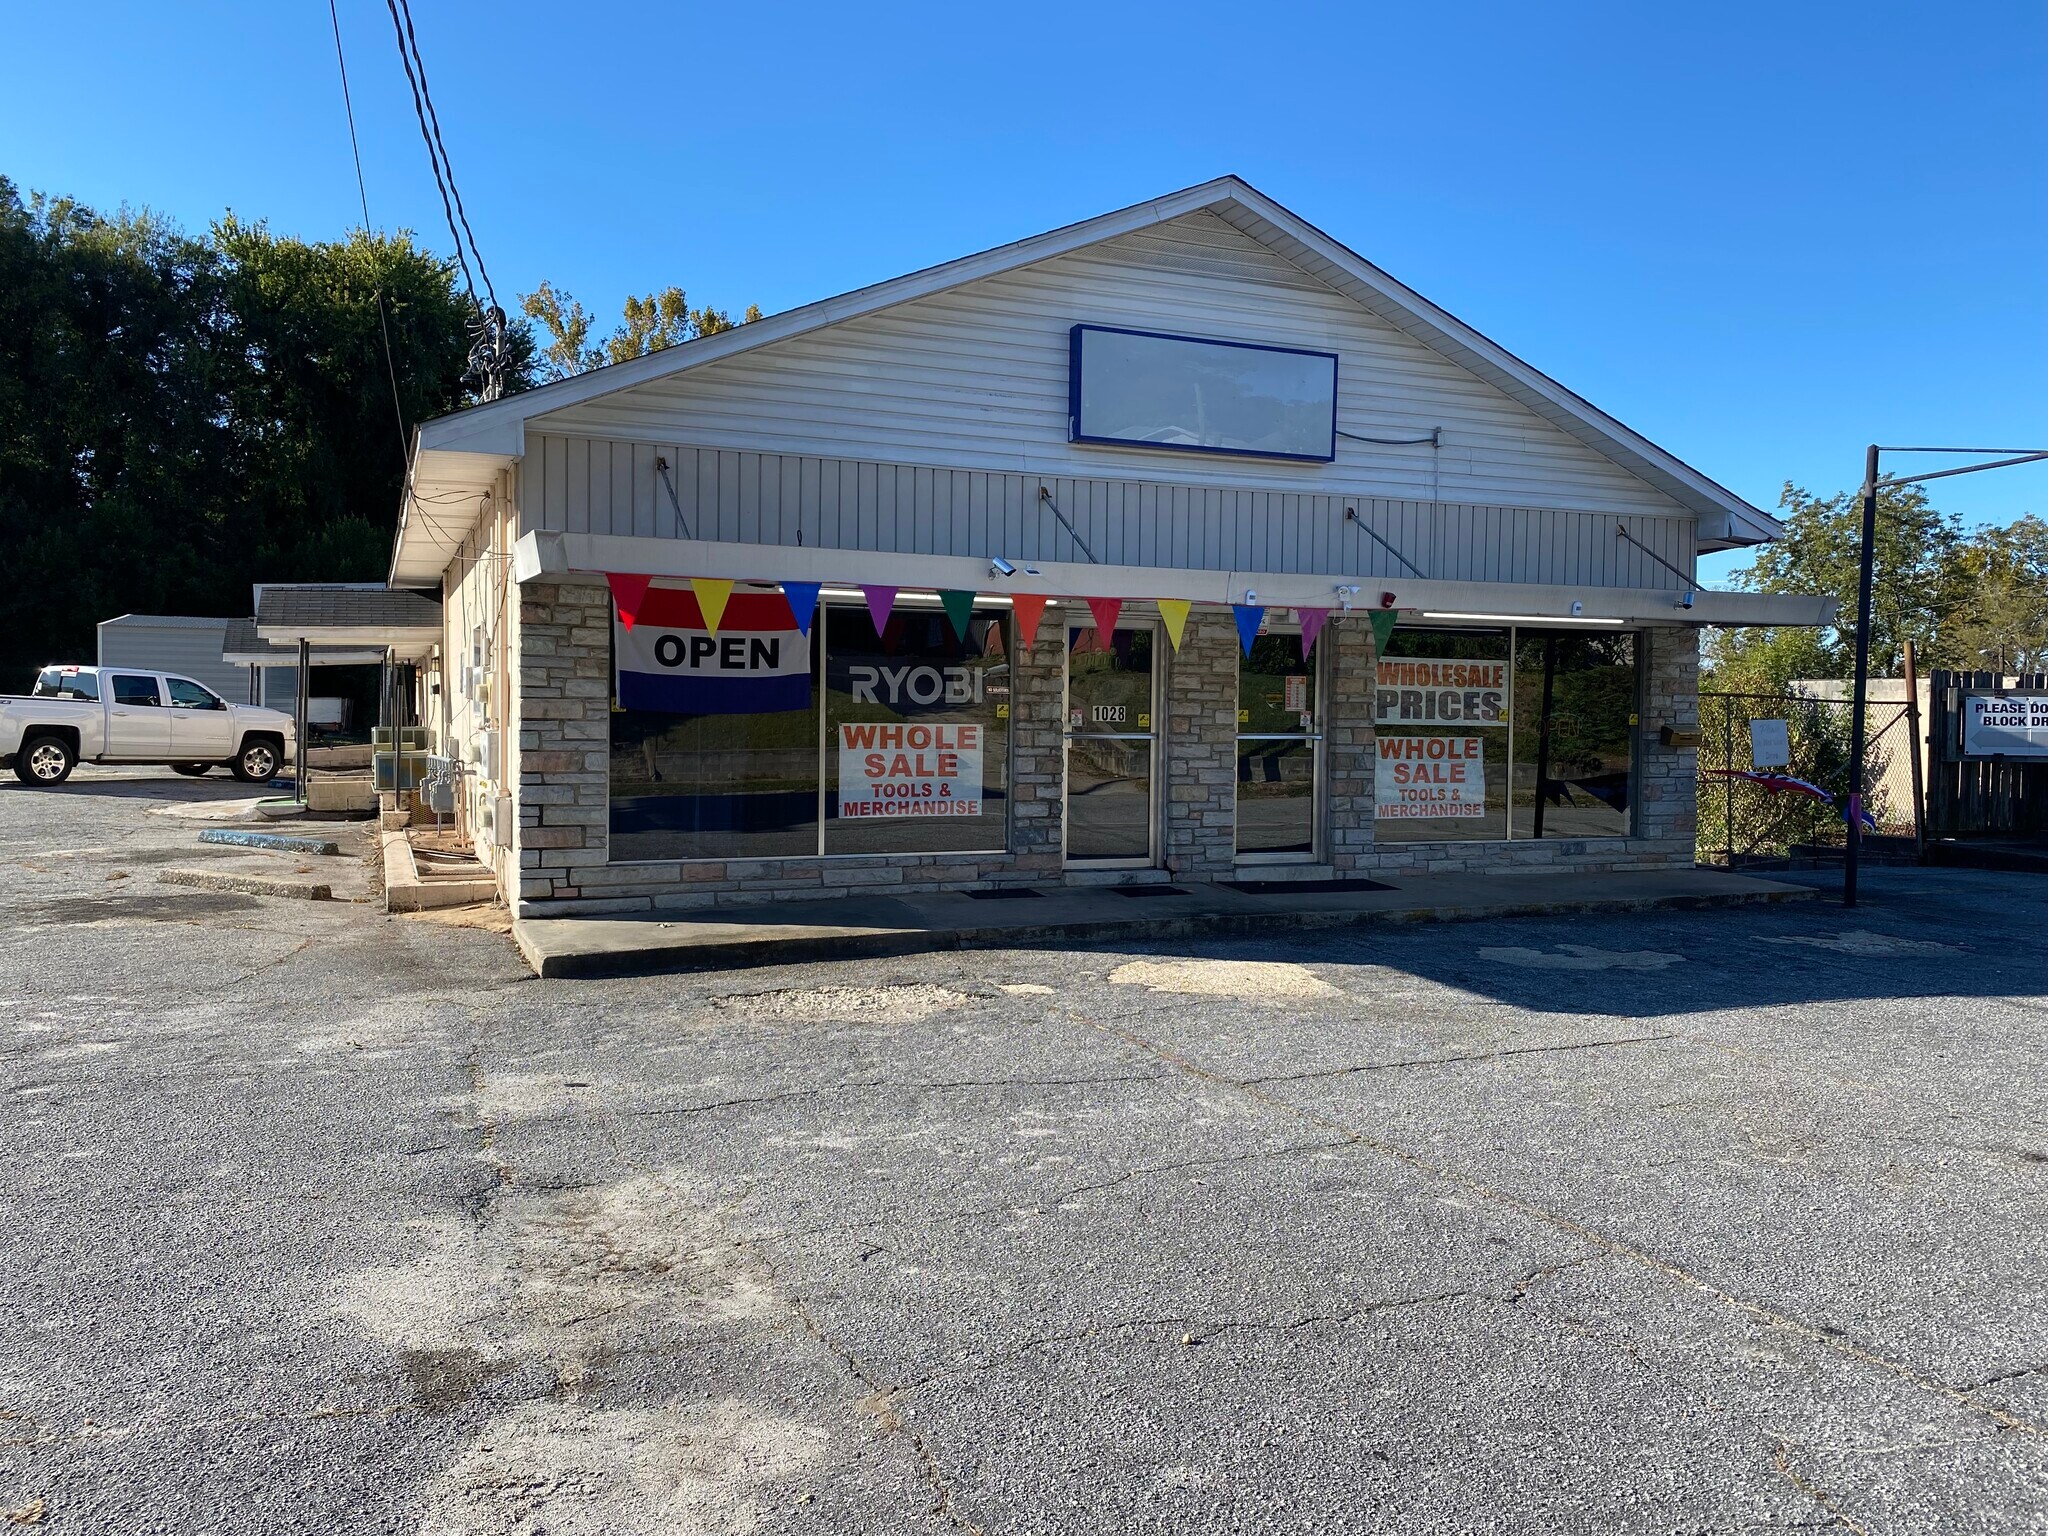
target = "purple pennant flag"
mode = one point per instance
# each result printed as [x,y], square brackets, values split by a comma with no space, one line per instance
[1249,617]
[1311,626]
[881,603]
[802,597]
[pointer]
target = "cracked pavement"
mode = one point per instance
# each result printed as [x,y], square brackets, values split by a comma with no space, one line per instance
[314,1219]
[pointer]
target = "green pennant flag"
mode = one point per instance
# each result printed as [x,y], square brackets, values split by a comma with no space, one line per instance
[959,609]
[1383,620]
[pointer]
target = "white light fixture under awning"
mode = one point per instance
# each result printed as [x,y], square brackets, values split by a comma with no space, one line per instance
[1518,618]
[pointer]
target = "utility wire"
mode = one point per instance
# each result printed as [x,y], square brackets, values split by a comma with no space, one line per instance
[433,155]
[363,192]
[410,42]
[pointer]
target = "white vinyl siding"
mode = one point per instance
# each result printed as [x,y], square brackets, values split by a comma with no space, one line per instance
[976,378]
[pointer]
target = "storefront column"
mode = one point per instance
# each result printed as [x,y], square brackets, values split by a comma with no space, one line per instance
[1038,750]
[564,712]
[1201,748]
[1349,752]
[1667,778]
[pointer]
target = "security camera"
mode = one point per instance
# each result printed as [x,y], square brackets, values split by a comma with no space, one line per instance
[1685,601]
[1577,609]
[1001,567]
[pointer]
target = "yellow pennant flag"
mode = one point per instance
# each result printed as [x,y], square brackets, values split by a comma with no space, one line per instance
[1174,611]
[711,595]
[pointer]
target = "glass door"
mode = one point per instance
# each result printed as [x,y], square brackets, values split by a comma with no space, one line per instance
[1112,746]
[1279,751]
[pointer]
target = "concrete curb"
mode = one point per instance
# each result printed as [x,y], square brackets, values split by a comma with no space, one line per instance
[683,954]
[277,842]
[247,885]
[406,891]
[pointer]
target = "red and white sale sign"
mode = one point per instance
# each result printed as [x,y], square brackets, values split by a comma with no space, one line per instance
[1424,777]
[898,770]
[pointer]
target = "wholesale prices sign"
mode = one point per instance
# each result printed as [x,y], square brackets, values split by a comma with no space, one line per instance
[1420,690]
[1426,778]
[893,770]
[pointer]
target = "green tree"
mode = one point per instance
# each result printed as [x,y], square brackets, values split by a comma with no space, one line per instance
[651,324]
[1919,589]
[2004,625]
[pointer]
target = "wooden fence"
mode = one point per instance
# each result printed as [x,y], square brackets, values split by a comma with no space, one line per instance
[1979,797]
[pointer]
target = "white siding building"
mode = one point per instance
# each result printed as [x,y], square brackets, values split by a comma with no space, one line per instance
[1524,697]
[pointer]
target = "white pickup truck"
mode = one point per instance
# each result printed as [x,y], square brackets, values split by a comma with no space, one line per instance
[126,715]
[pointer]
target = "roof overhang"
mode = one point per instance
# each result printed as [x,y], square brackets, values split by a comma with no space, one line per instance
[544,556]
[405,623]
[457,457]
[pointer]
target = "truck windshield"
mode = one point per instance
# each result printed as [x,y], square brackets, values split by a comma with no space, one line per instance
[64,683]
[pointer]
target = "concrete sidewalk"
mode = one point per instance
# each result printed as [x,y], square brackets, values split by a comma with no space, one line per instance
[784,933]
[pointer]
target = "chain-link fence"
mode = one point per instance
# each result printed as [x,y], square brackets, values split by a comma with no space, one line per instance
[1755,810]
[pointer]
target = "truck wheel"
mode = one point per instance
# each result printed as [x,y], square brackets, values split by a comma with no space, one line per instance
[191,770]
[258,760]
[44,760]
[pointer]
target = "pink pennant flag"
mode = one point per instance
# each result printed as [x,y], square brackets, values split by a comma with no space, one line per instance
[881,603]
[1105,610]
[1311,626]
[628,592]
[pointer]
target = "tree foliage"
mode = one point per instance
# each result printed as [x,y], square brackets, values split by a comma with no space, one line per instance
[182,416]
[1967,601]
[650,324]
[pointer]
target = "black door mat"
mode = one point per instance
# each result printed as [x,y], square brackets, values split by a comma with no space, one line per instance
[1302,887]
[1005,893]
[1149,890]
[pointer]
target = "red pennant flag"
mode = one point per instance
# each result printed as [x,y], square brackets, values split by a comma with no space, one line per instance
[628,592]
[1105,610]
[1027,608]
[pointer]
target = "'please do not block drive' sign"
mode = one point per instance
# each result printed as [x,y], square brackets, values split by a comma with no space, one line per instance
[898,770]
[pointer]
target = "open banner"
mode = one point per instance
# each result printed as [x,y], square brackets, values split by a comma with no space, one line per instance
[757,662]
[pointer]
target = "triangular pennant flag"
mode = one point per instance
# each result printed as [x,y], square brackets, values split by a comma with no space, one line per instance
[1026,609]
[1383,620]
[802,597]
[1105,610]
[1249,617]
[628,592]
[1311,626]
[1174,612]
[881,602]
[959,608]
[712,591]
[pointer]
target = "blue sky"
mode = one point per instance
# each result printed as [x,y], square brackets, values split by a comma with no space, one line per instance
[1762,234]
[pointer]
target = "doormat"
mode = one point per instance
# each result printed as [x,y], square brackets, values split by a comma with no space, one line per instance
[1004,893]
[1149,890]
[1302,887]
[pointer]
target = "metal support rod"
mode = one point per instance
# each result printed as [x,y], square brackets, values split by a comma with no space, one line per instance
[1913,754]
[1728,781]
[299,744]
[1852,851]
[1351,515]
[661,468]
[1622,533]
[1543,728]
[1045,495]
[2030,456]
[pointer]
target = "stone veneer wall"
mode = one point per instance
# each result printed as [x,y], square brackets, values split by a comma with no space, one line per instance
[564,786]
[562,764]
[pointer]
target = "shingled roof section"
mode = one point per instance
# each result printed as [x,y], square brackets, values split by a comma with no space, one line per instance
[313,607]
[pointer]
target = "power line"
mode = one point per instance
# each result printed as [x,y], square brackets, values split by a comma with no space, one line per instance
[433,153]
[409,43]
[363,192]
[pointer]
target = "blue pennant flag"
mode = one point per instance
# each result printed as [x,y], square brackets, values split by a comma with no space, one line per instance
[1249,617]
[803,603]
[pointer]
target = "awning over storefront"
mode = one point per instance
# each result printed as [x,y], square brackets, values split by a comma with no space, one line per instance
[405,623]
[542,556]
[242,647]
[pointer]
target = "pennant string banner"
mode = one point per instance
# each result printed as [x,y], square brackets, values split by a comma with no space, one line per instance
[712,592]
[802,597]
[959,608]
[1249,617]
[628,592]
[1173,612]
[1026,609]
[1383,620]
[1312,620]
[1105,610]
[881,603]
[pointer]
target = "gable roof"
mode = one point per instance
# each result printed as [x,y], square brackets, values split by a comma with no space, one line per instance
[455,454]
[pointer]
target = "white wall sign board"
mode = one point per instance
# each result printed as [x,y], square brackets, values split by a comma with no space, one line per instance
[2014,724]
[1425,777]
[1417,690]
[1770,744]
[891,771]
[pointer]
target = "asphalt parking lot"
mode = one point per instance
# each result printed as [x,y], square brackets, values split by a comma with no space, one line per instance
[313,1219]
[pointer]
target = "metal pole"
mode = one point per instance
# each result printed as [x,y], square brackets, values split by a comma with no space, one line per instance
[299,744]
[1859,697]
[1913,755]
[1543,726]
[1728,780]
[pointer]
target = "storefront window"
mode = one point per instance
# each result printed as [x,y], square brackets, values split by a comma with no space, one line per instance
[714,737]
[1278,738]
[917,733]
[1441,718]
[1575,716]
